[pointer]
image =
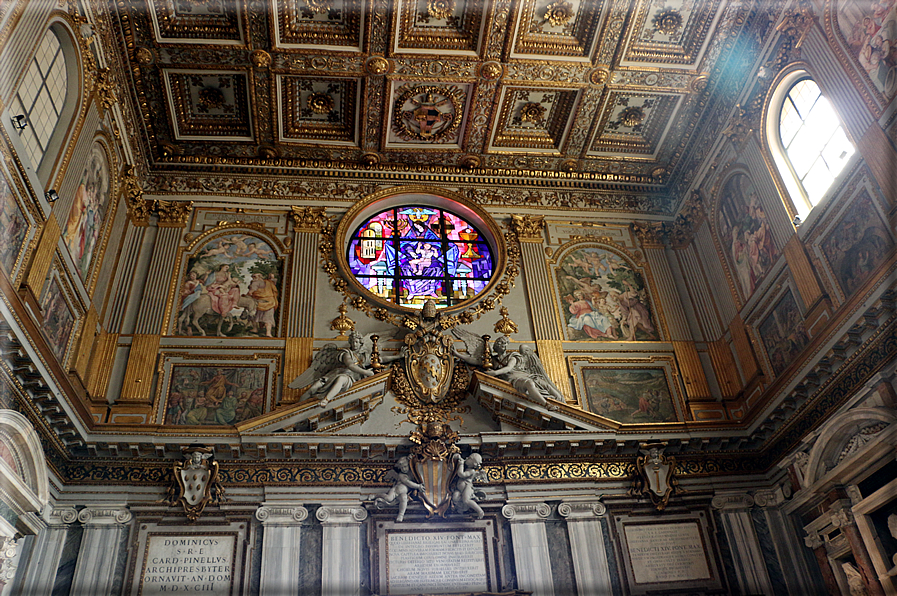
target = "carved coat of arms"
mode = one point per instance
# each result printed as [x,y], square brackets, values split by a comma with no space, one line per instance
[427,112]
[655,477]
[195,482]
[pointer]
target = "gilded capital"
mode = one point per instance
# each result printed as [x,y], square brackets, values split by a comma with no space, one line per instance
[138,207]
[104,87]
[796,24]
[528,228]
[173,214]
[649,233]
[692,214]
[308,219]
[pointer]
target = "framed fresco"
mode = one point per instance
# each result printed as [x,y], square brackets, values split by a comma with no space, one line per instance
[83,231]
[868,30]
[57,316]
[744,234]
[14,228]
[602,297]
[783,332]
[231,287]
[628,391]
[203,390]
[857,244]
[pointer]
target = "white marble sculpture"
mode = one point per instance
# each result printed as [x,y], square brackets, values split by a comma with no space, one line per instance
[467,471]
[402,485]
[333,370]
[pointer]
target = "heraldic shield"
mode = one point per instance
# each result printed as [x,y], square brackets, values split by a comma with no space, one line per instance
[429,365]
[432,465]
[196,478]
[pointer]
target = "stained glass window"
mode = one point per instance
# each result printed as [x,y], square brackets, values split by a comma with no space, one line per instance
[410,254]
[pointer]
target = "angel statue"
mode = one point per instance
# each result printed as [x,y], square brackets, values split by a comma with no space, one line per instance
[522,369]
[401,476]
[334,370]
[467,471]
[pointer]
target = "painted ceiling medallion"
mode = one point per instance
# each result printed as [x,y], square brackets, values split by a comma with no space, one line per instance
[667,21]
[558,13]
[211,98]
[440,9]
[533,113]
[319,6]
[427,113]
[320,103]
[632,116]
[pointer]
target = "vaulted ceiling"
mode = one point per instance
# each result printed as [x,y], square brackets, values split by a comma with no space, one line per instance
[595,93]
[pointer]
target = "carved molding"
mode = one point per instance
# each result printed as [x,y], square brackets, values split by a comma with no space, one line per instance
[812,540]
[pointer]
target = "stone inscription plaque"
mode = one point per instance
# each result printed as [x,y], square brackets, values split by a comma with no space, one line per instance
[436,562]
[188,564]
[664,553]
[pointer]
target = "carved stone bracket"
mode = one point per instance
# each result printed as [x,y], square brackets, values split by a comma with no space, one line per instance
[528,228]
[581,511]
[341,515]
[526,512]
[308,219]
[104,516]
[281,514]
[173,214]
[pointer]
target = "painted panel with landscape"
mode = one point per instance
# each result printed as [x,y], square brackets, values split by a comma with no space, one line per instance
[858,244]
[602,298]
[57,319]
[231,288]
[870,29]
[13,227]
[215,395]
[629,395]
[84,228]
[783,333]
[745,234]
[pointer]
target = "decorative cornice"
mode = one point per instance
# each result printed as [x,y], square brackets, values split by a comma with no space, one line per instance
[813,540]
[689,219]
[526,512]
[173,214]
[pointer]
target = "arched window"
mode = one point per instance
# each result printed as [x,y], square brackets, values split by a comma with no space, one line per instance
[41,96]
[807,140]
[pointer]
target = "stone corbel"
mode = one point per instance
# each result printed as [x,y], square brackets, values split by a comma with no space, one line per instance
[730,501]
[526,512]
[581,511]
[276,515]
[341,515]
[104,516]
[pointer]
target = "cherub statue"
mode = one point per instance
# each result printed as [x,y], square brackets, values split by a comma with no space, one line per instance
[333,370]
[467,471]
[522,369]
[403,484]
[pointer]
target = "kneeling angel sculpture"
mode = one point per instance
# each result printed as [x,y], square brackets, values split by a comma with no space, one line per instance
[333,370]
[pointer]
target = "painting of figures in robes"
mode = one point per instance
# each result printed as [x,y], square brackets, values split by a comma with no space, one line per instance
[84,228]
[215,395]
[602,298]
[858,244]
[13,228]
[745,234]
[231,288]
[629,395]
[870,29]
[783,333]
[58,321]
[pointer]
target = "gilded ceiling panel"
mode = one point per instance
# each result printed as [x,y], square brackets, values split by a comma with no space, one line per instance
[319,24]
[439,26]
[208,104]
[427,114]
[634,123]
[557,29]
[533,119]
[315,109]
[669,32]
[192,21]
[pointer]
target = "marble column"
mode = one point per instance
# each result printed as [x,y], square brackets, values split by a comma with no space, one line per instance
[785,541]
[532,559]
[842,518]
[341,556]
[39,573]
[104,529]
[747,558]
[587,546]
[815,542]
[282,524]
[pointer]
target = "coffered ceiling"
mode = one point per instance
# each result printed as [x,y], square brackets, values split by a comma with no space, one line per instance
[588,91]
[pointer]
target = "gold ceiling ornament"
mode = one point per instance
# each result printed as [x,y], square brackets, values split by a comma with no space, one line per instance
[260,58]
[370,159]
[558,13]
[527,228]
[471,162]
[532,112]
[505,325]
[434,113]
[698,84]
[267,152]
[211,98]
[138,207]
[568,165]
[667,21]
[599,76]
[168,149]
[173,214]
[491,70]
[320,103]
[104,87]
[632,116]
[658,173]
[343,324]
[377,65]
[440,9]
[319,6]
[308,219]
[144,56]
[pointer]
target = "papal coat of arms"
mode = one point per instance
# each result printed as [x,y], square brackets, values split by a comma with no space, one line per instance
[195,482]
[655,477]
[427,113]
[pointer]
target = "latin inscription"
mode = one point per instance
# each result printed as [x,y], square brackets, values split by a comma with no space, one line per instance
[436,562]
[662,553]
[188,565]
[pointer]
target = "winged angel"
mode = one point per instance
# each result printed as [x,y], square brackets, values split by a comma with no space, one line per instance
[333,370]
[522,369]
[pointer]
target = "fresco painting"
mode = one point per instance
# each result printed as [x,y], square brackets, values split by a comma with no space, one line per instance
[783,333]
[215,395]
[629,395]
[602,298]
[13,227]
[745,233]
[58,320]
[870,29]
[858,245]
[84,227]
[231,288]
